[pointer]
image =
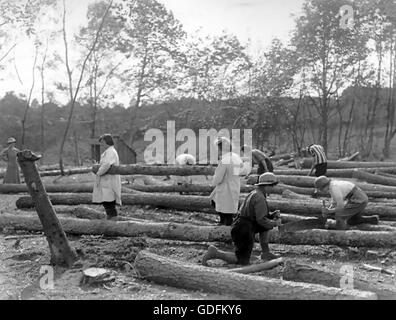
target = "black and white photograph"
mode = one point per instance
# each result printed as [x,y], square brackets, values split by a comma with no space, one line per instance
[197,154]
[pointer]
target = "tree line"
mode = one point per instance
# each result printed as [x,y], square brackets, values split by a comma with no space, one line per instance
[327,83]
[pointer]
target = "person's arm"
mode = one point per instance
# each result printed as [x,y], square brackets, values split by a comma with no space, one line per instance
[107,161]
[264,164]
[261,212]
[312,167]
[338,201]
[219,174]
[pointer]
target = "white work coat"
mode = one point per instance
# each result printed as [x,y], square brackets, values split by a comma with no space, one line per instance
[107,187]
[227,183]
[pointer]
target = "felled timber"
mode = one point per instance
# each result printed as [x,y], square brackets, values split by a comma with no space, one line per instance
[333,164]
[52,188]
[187,232]
[334,173]
[294,271]
[67,172]
[200,203]
[257,267]
[373,178]
[175,273]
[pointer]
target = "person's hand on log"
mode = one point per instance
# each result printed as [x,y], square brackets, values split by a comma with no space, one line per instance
[278,222]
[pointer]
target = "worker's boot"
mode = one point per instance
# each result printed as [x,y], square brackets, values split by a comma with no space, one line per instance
[341,224]
[266,255]
[359,219]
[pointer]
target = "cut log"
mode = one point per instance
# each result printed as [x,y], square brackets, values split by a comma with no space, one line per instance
[186,232]
[159,170]
[333,164]
[350,158]
[284,156]
[373,178]
[52,188]
[96,276]
[200,203]
[379,269]
[258,266]
[67,172]
[83,212]
[292,195]
[304,273]
[163,270]
[333,173]
[62,253]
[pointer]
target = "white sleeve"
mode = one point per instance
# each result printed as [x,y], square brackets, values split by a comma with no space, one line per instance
[108,160]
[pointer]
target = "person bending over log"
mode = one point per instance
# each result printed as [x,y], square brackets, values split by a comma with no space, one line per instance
[254,217]
[107,187]
[348,203]
[10,156]
[184,159]
[260,158]
[319,160]
[226,182]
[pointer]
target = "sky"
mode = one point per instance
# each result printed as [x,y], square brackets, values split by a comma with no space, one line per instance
[257,20]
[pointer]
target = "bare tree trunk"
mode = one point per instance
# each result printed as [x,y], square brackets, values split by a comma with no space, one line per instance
[73,95]
[77,152]
[42,126]
[61,252]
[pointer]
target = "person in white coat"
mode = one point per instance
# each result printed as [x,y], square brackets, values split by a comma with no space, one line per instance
[107,187]
[226,182]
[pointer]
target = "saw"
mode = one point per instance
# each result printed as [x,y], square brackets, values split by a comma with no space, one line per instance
[310,223]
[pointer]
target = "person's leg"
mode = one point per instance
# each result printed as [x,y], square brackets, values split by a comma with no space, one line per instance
[110,208]
[265,251]
[228,219]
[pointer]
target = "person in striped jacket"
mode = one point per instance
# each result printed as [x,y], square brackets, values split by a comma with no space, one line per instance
[319,161]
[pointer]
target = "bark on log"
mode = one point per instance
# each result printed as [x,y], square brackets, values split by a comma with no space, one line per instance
[67,172]
[200,203]
[258,266]
[373,178]
[159,170]
[61,252]
[304,273]
[52,188]
[186,232]
[292,195]
[174,273]
[333,173]
[333,164]
[350,158]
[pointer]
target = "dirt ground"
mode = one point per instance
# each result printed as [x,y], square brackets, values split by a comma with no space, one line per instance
[23,255]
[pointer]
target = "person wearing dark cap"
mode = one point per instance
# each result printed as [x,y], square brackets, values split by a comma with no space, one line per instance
[348,203]
[254,217]
[10,156]
[107,187]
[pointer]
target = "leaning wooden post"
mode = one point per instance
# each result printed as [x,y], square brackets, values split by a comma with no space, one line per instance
[61,252]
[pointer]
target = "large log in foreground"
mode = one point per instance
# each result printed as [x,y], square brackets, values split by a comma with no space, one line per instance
[299,272]
[200,203]
[61,252]
[187,232]
[174,273]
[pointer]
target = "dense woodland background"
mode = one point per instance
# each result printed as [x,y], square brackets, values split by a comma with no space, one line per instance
[328,84]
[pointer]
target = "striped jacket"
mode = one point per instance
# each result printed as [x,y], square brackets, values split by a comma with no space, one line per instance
[318,153]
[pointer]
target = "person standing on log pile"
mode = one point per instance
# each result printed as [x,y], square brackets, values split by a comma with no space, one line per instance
[260,158]
[226,182]
[10,156]
[107,187]
[254,217]
[348,203]
[319,160]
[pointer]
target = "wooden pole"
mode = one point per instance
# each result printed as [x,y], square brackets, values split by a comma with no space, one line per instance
[61,252]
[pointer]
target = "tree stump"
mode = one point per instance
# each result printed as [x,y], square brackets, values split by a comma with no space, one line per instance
[61,252]
[96,276]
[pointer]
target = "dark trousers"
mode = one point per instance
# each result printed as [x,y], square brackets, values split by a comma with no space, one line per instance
[110,208]
[225,218]
[321,169]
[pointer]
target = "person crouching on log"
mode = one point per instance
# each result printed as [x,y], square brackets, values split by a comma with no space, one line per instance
[107,187]
[348,203]
[10,156]
[254,217]
[260,158]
